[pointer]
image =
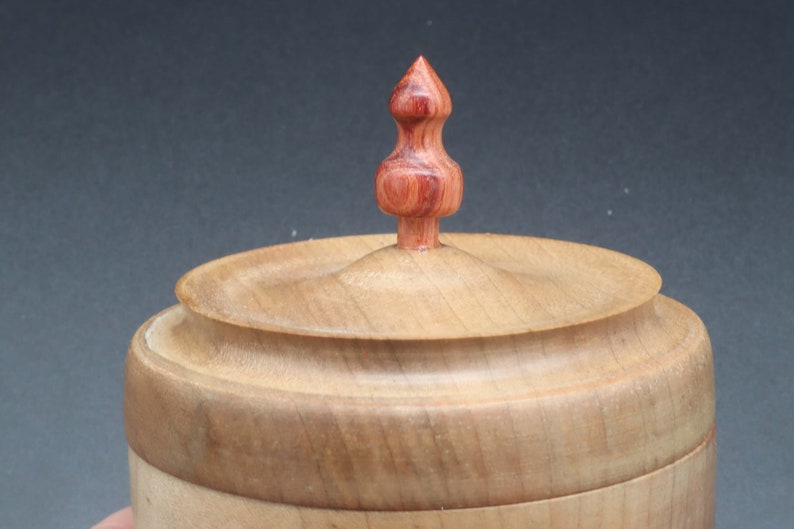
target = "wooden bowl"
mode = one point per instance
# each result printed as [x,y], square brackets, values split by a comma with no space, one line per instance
[445,381]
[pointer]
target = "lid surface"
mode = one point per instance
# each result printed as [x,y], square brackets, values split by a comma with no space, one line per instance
[367,287]
[472,285]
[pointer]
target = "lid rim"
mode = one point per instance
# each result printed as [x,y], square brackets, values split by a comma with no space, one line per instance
[579,283]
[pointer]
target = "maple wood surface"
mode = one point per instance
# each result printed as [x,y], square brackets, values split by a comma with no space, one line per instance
[680,495]
[378,423]
[512,380]
[365,287]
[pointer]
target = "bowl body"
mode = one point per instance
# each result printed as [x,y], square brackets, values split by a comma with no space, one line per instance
[589,405]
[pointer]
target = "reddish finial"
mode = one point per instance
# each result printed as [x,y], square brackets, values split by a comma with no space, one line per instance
[419,182]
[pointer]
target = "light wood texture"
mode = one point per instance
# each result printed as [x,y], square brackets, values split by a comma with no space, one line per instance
[486,381]
[376,423]
[677,496]
[419,182]
[471,286]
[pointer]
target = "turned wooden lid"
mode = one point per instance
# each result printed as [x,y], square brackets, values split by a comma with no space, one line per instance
[424,286]
[425,371]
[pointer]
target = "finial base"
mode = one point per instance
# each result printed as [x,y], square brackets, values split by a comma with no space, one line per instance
[417,233]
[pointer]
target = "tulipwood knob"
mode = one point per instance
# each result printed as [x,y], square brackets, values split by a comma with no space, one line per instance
[419,182]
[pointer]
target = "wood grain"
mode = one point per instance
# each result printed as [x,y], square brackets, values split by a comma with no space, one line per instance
[365,422]
[471,286]
[419,182]
[448,381]
[679,496]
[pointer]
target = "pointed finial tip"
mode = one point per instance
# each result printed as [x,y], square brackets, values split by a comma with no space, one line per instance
[420,93]
[421,66]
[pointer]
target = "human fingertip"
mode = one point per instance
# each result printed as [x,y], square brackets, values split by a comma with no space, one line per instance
[118,520]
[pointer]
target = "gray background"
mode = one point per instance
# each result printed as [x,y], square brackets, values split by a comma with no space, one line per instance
[138,140]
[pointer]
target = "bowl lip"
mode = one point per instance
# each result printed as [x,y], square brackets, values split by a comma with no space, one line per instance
[197,289]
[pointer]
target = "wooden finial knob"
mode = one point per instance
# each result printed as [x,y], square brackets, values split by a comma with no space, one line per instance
[419,182]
